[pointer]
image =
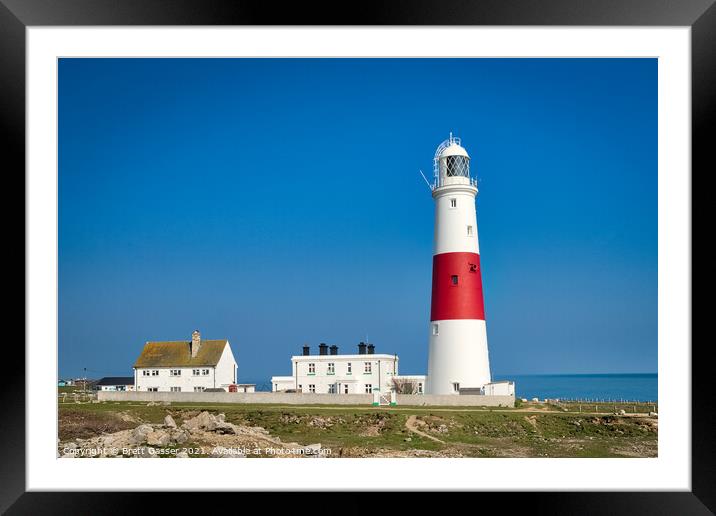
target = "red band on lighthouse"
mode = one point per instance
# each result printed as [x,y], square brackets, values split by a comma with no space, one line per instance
[457,287]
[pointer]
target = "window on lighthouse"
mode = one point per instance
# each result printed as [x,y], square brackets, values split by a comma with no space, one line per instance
[457,166]
[453,203]
[469,230]
[453,279]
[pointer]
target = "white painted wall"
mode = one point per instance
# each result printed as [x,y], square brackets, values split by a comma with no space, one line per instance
[457,354]
[382,368]
[226,369]
[451,224]
[114,387]
[504,388]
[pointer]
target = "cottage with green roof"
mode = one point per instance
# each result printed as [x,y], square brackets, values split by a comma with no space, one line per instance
[185,366]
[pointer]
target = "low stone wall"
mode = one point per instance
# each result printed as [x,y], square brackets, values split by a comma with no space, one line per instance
[284,398]
[456,400]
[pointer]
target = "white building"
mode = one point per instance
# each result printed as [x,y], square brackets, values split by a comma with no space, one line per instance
[115,383]
[330,373]
[185,366]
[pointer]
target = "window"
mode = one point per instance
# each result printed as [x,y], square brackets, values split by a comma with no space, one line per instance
[205,372]
[195,372]
[311,368]
[456,386]
[368,388]
[453,203]
[152,389]
[436,329]
[175,372]
[331,368]
[453,279]
[350,368]
[311,388]
[155,372]
[332,389]
[175,389]
[368,369]
[199,389]
[345,389]
[300,387]
[420,388]
[145,372]
[457,166]
[469,230]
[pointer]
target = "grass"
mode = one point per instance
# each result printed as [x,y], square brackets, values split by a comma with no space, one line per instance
[532,430]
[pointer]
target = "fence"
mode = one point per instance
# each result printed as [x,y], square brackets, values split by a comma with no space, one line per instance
[604,405]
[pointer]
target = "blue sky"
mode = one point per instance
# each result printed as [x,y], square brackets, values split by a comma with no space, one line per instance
[277,202]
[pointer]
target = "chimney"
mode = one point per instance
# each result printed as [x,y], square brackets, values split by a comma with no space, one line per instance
[371,349]
[361,348]
[306,350]
[334,350]
[195,343]
[323,348]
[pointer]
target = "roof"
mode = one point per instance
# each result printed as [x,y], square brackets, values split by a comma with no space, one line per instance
[454,150]
[116,380]
[366,357]
[177,353]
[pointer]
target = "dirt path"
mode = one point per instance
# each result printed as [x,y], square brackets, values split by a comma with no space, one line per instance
[410,425]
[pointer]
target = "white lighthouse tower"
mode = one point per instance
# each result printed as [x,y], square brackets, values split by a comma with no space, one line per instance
[458,356]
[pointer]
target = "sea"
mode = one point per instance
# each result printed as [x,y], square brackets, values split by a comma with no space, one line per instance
[600,387]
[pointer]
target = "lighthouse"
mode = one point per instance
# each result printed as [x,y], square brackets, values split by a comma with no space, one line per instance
[457,354]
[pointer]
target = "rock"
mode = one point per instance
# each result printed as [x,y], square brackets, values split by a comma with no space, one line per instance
[408,439]
[139,434]
[169,421]
[179,436]
[622,412]
[158,438]
[653,414]
[204,421]
[182,455]
[71,446]
[226,428]
[535,399]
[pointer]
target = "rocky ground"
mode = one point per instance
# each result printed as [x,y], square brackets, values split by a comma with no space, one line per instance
[245,431]
[205,434]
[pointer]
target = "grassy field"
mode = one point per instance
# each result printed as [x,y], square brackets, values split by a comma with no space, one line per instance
[530,430]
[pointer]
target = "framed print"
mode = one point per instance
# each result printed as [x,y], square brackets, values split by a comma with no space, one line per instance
[437,247]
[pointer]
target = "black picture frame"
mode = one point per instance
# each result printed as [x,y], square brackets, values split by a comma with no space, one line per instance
[699,15]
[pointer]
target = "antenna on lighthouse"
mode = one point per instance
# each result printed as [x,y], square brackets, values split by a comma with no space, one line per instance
[426,181]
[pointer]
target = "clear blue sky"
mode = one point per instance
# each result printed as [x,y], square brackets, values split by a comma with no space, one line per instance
[277,202]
